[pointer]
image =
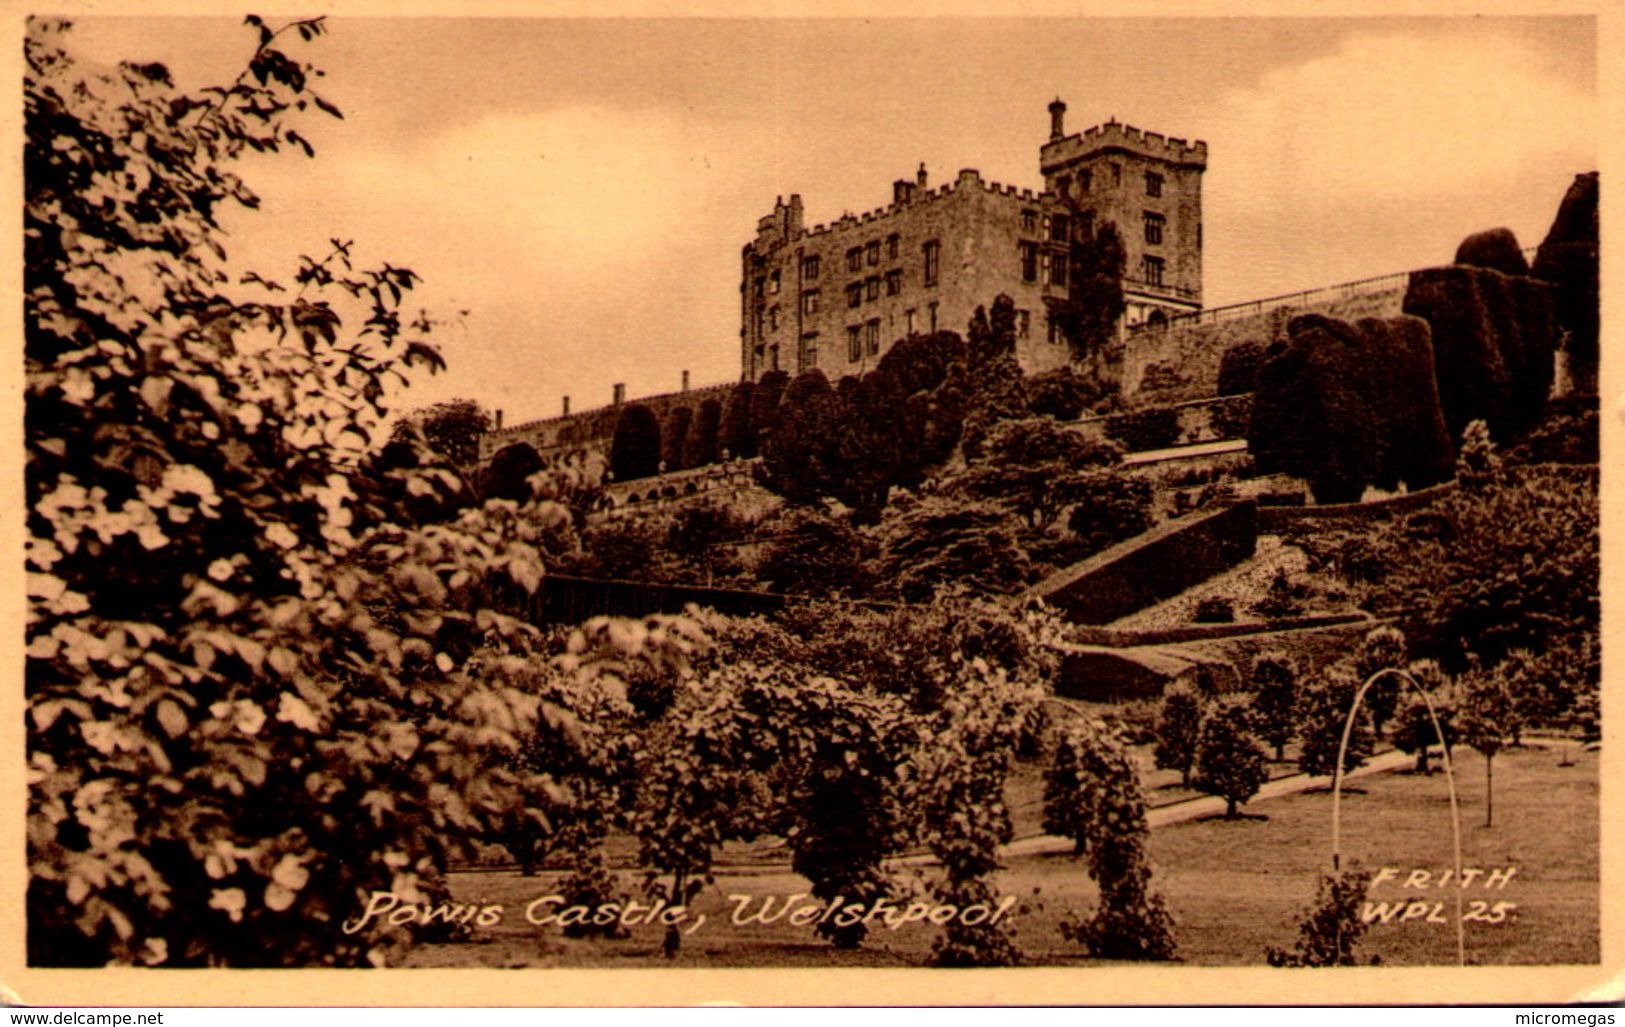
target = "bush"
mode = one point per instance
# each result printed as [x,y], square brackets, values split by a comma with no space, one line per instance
[1140,430]
[813,553]
[1275,698]
[1179,724]
[1063,394]
[1214,610]
[1329,932]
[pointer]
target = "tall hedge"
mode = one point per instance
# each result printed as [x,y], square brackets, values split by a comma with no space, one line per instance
[700,447]
[1496,249]
[1349,405]
[635,451]
[735,436]
[1493,342]
[1567,258]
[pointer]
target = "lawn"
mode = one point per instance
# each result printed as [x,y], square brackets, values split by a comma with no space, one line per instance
[1233,887]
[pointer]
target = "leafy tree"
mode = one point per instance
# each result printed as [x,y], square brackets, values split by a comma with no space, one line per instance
[1382,648]
[622,549]
[1063,394]
[253,700]
[1229,760]
[1088,317]
[1108,507]
[934,546]
[1322,714]
[634,451]
[453,430]
[1179,726]
[813,553]
[1413,729]
[1509,564]
[1035,468]
[1487,712]
[1275,698]
[698,531]
[1329,932]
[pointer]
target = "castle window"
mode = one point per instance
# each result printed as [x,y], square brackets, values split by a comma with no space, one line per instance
[1116,172]
[908,321]
[1054,330]
[809,267]
[1043,266]
[773,318]
[809,350]
[854,294]
[1029,221]
[933,259]
[1085,180]
[1024,323]
[809,302]
[1086,225]
[761,287]
[871,336]
[1029,261]
[872,287]
[1063,185]
[893,242]
[931,309]
[1153,184]
[1057,269]
[773,283]
[1151,270]
[894,281]
[871,252]
[1058,227]
[854,258]
[854,343]
[1153,228]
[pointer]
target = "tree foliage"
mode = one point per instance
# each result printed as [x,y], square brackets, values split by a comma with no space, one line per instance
[1275,698]
[252,699]
[1330,930]
[1322,715]
[1229,760]
[1179,725]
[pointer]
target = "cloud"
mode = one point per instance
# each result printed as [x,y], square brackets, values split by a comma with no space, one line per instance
[1397,115]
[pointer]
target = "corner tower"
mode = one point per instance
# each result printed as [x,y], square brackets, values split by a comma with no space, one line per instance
[1150,186]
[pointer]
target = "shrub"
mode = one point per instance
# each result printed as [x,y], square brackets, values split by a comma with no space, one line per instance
[813,553]
[1329,932]
[1214,610]
[507,475]
[1275,698]
[1063,394]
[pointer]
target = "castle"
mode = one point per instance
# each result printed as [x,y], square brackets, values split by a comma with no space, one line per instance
[836,296]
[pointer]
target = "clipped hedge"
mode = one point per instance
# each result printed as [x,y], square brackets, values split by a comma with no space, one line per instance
[1493,340]
[1140,430]
[1154,566]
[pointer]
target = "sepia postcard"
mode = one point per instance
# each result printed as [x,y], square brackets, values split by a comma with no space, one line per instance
[538,505]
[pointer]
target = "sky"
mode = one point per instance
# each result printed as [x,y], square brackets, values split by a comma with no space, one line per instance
[582,187]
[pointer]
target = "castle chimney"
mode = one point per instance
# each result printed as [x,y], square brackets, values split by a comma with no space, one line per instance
[685,380]
[1057,113]
[496,417]
[567,406]
[900,190]
[919,176]
[620,393]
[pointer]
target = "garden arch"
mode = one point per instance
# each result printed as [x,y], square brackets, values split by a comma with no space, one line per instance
[1449,777]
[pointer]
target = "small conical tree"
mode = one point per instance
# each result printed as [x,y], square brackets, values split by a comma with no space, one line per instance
[1275,699]
[1487,711]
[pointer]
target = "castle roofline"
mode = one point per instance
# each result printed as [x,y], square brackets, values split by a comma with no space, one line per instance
[1115,135]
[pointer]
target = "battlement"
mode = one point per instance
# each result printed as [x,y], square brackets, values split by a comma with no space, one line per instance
[1114,135]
